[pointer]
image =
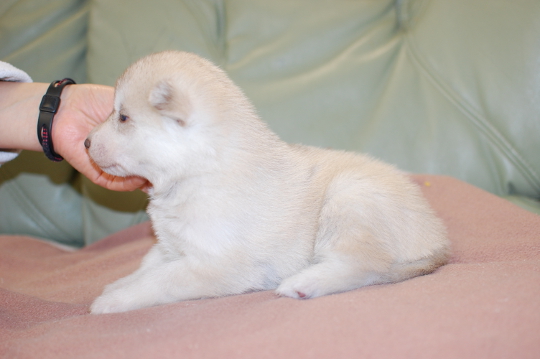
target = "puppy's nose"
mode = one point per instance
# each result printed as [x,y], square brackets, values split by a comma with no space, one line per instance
[87,143]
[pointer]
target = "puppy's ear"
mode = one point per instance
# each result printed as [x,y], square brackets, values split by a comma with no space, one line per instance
[170,102]
[161,95]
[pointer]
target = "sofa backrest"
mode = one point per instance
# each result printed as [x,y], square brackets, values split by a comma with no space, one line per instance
[435,86]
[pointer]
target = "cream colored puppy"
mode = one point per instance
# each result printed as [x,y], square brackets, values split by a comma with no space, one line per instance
[235,209]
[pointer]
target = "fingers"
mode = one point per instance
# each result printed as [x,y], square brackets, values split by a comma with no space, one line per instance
[121,184]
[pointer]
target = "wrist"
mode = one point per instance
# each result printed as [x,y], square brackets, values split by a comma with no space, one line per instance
[19,109]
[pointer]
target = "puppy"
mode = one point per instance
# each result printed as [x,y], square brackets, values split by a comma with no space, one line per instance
[235,209]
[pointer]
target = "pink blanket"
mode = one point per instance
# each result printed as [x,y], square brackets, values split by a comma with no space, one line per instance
[484,304]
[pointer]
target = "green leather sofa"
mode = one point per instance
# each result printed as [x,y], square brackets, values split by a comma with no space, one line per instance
[434,86]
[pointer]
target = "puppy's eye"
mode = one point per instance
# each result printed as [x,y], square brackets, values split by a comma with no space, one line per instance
[123,118]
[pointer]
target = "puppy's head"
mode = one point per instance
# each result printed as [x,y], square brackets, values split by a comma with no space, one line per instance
[167,117]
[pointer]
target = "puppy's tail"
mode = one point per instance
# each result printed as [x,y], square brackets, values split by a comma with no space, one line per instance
[402,271]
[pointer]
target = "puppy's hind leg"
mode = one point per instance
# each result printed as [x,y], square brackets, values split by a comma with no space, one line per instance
[369,235]
[335,270]
[348,252]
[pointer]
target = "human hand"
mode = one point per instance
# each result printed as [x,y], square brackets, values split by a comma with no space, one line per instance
[82,108]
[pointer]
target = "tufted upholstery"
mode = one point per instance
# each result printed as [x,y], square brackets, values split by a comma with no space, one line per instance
[434,86]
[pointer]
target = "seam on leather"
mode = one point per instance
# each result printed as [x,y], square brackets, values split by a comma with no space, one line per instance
[223,41]
[479,121]
[408,11]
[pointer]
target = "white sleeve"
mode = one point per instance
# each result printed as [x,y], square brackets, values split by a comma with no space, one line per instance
[9,72]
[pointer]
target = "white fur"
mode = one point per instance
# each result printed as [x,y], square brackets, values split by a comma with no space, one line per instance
[235,209]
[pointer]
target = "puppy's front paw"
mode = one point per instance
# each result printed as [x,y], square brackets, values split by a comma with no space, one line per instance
[117,299]
[120,296]
[108,304]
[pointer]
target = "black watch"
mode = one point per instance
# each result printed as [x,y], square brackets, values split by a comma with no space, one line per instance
[47,109]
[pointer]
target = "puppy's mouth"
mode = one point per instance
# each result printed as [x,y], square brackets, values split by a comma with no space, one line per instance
[114,170]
